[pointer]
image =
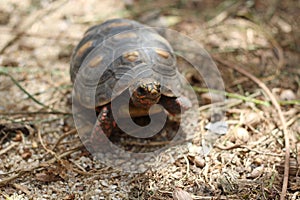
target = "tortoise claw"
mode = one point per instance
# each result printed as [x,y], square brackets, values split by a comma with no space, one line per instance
[175,105]
[184,103]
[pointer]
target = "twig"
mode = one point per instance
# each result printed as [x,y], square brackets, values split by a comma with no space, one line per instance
[281,116]
[22,188]
[232,95]
[262,153]
[23,90]
[187,167]
[293,120]
[220,17]
[229,147]
[27,93]
[71,132]
[57,157]
[227,104]
[290,102]
[44,146]
[13,145]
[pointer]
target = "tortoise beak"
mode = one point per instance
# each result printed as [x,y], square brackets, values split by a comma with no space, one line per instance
[153,88]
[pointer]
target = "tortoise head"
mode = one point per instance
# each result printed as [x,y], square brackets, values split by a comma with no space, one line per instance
[146,92]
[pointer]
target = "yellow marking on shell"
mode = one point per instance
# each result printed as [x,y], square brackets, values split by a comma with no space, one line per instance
[83,48]
[131,56]
[162,53]
[118,24]
[95,61]
[125,35]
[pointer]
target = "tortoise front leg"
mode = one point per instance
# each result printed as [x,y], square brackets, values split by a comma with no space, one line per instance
[105,122]
[174,104]
[103,128]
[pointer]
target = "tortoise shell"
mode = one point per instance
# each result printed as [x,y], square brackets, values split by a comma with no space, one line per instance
[113,55]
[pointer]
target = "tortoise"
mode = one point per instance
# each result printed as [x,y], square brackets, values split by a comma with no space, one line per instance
[122,55]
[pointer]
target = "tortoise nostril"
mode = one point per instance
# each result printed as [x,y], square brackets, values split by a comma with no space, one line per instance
[158,87]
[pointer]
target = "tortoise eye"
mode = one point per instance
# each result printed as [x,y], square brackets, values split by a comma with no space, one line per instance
[141,91]
[158,86]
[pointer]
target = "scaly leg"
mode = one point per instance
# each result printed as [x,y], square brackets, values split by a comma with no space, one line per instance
[103,128]
[174,104]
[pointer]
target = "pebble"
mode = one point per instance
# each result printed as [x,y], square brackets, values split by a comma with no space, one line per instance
[241,134]
[98,191]
[199,161]
[287,95]
[112,187]
[258,161]
[194,150]
[257,172]
[104,183]
[252,118]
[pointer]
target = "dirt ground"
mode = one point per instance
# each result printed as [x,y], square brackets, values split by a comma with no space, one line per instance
[256,46]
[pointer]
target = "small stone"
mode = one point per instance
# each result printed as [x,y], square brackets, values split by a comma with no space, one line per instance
[287,95]
[18,137]
[194,150]
[98,191]
[252,119]
[257,172]
[258,161]
[241,134]
[104,183]
[199,161]
[112,187]
[26,155]
[34,145]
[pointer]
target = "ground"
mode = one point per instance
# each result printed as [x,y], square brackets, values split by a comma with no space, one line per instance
[255,45]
